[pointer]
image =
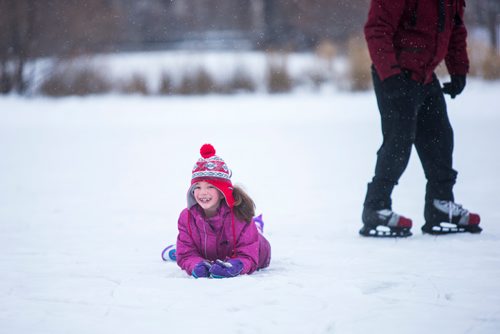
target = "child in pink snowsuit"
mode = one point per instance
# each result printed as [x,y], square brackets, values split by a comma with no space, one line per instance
[218,236]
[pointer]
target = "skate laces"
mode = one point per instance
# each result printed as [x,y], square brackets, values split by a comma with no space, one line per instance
[452,208]
[390,216]
[384,213]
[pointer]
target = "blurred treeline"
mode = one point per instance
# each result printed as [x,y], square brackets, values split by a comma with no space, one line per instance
[31,29]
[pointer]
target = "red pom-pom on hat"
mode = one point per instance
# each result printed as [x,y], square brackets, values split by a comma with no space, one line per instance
[207,151]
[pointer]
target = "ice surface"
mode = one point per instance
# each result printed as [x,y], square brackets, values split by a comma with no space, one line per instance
[91,189]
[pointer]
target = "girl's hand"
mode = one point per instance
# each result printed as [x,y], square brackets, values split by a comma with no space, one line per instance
[202,269]
[221,269]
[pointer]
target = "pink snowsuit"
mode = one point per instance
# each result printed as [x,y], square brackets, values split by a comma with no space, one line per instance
[213,238]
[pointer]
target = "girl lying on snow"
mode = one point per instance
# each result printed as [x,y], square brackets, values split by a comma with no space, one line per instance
[218,234]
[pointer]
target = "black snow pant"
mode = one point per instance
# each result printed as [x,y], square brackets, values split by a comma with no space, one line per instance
[417,117]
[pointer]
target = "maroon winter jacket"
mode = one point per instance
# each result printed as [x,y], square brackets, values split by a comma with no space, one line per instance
[417,35]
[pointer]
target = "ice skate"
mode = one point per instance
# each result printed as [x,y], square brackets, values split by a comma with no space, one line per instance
[259,223]
[445,217]
[169,253]
[385,223]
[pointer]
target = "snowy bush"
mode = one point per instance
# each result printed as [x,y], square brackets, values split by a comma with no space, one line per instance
[359,64]
[491,66]
[199,73]
[196,83]
[135,85]
[166,85]
[72,78]
[241,81]
[278,78]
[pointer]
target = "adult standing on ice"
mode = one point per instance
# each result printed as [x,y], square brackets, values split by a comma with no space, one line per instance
[218,235]
[407,39]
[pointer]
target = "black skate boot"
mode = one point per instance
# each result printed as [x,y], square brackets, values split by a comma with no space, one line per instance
[445,217]
[384,223]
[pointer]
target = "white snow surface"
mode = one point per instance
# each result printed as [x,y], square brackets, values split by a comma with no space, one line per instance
[91,189]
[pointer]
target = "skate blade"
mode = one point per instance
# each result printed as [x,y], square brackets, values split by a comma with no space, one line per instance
[449,228]
[382,231]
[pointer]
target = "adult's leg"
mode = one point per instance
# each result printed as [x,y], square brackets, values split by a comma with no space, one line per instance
[398,111]
[434,144]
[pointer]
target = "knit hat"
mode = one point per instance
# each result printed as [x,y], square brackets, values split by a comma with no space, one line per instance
[212,169]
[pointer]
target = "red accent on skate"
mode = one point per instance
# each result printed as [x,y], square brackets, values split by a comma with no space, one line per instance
[474,219]
[404,222]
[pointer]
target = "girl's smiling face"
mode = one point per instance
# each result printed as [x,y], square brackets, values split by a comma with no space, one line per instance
[208,197]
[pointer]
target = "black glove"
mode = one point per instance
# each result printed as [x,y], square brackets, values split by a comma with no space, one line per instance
[455,87]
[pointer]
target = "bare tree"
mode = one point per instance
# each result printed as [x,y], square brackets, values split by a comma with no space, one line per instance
[73,27]
[492,11]
[17,20]
[303,23]
[486,14]
[35,28]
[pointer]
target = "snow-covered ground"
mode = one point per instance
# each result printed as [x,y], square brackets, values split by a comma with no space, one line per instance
[91,189]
